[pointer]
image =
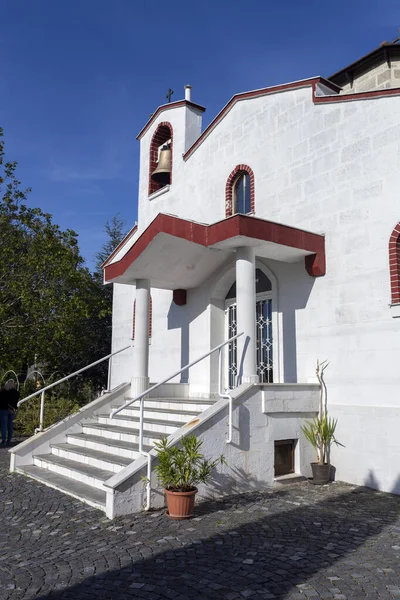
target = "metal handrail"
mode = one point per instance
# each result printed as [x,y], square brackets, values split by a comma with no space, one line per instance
[157,385]
[51,385]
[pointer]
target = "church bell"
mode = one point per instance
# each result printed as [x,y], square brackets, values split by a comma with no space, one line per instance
[162,173]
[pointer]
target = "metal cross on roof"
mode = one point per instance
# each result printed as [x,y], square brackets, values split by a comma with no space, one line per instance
[169,94]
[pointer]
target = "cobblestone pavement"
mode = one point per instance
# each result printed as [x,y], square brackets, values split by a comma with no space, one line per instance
[297,542]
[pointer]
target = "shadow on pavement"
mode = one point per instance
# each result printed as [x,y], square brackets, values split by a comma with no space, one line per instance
[273,552]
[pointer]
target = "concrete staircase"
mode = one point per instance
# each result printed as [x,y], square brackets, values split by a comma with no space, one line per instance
[100,447]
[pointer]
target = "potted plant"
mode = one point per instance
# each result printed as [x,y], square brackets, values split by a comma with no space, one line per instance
[180,470]
[320,432]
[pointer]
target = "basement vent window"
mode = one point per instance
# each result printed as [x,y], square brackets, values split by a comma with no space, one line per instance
[284,457]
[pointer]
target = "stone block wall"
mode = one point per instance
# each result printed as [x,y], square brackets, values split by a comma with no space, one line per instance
[381,77]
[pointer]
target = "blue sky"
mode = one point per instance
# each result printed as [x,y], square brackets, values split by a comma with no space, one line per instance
[79,79]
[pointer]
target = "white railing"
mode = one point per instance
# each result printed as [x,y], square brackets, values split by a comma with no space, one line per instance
[157,385]
[51,385]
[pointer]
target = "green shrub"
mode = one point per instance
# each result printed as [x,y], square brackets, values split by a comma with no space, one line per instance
[181,469]
[55,409]
[320,432]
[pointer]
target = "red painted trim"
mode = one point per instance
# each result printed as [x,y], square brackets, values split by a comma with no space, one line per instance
[315,264]
[150,318]
[163,133]
[114,252]
[230,182]
[394,264]
[209,235]
[179,297]
[289,86]
[134,319]
[246,96]
[356,96]
[169,106]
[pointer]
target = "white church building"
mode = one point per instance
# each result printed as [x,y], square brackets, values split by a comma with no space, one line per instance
[280,221]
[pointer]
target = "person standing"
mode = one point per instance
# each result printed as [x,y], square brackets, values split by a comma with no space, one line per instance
[9,397]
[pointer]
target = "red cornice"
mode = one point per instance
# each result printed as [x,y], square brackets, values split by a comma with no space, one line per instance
[209,235]
[164,107]
[288,86]
[256,94]
[357,96]
[114,252]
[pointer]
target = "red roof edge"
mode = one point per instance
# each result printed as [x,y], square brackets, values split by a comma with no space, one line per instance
[208,235]
[164,107]
[122,242]
[256,94]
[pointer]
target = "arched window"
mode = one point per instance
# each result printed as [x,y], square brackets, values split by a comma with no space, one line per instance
[241,195]
[394,262]
[150,318]
[239,192]
[162,138]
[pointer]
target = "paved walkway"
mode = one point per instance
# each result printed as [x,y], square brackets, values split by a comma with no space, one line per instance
[298,542]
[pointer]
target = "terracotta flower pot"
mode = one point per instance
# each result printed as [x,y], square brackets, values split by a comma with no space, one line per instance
[180,504]
[321,473]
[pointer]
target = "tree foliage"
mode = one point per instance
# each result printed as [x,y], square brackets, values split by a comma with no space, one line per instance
[52,308]
[115,230]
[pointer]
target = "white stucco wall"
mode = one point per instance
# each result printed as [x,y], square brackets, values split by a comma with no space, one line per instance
[261,416]
[327,168]
[165,342]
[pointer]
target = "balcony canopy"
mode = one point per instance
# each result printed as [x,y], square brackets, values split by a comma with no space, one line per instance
[176,253]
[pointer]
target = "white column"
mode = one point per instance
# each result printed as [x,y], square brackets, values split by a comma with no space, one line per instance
[246,315]
[140,370]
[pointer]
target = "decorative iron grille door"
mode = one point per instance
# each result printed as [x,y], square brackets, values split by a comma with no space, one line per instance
[264,345]
[265,364]
[232,347]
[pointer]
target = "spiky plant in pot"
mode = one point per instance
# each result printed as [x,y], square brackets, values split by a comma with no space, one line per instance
[320,432]
[180,470]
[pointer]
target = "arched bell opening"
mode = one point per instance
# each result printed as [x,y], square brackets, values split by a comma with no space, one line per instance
[160,163]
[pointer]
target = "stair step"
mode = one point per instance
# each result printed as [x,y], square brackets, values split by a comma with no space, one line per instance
[123,434]
[289,479]
[167,414]
[176,390]
[110,446]
[76,489]
[159,425]
[181,403]
[96,458]
[87,474]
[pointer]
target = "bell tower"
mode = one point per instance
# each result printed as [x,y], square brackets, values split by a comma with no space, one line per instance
[165,138]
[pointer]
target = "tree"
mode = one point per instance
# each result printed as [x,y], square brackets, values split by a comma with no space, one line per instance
[51,307]
[115,230]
